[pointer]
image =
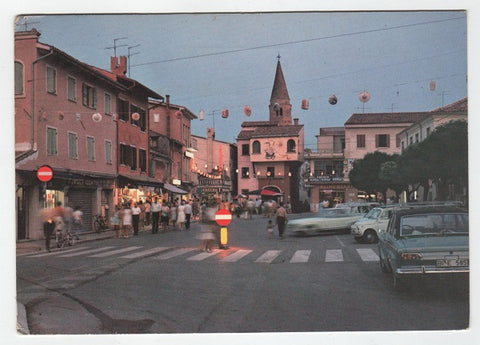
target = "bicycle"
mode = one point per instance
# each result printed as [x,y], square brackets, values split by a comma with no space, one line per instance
[62,239]
[99,223]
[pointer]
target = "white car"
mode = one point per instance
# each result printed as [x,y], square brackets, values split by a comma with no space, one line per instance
[366,230]
[329,220]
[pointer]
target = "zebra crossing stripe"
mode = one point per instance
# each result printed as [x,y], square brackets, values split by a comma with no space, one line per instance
[57,252]
[268,256]
[86,252]
[203,255]
[367,254]
[174,253]
[300,256]
[334,255]
[237,255]
[145,253]
[114,252]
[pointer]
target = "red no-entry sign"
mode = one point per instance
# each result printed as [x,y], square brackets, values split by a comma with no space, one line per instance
[223,217]
[44,173]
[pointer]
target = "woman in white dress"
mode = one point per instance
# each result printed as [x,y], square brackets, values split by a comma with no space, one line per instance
[181,215]
[127,220]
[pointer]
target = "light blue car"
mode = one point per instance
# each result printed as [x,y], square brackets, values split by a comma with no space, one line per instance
[422,241]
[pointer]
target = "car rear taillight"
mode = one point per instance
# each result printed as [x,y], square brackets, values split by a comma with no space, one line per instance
[411,256]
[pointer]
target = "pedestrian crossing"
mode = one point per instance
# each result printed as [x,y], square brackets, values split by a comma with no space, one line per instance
[193,254]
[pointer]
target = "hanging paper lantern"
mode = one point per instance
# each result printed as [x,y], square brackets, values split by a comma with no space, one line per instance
[247,110]
[432,85]
[97,117]
[225,113]
[201,115]
[305,104]
[332,100]
[179,114]
[364,96]
[136,116]
[61,115]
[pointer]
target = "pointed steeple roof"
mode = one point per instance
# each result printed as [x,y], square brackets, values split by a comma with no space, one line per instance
[279,90]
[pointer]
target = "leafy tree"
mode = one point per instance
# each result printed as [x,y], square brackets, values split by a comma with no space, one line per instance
[414,168]
[446,152]
[390,174]
[366,171]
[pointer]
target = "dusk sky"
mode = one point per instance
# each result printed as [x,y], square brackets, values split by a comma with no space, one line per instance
[220,61]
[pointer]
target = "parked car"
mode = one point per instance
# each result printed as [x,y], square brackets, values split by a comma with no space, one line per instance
[329,219]
[422,241]
[366,229]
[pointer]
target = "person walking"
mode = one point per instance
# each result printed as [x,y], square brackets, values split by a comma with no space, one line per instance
[181,215]
[136,211]
[270,227]
[77,217]
[188,214]
[155,209]
[147,212]
[173,215]
[127,220]
[165,216]
[281,218]
[207,228]
[115,221]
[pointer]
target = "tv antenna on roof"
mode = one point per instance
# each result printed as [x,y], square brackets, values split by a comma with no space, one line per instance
[131,54]
[115,46]
[26,23]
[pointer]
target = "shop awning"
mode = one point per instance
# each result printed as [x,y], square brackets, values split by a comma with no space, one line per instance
[269,192]
[132,180]
[174,189]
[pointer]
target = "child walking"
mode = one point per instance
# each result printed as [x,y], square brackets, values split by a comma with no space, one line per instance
[270,226]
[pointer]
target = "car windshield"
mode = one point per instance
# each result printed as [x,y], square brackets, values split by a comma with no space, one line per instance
[434,224]
[374,213]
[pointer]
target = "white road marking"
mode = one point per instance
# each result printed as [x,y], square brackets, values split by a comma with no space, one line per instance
[114,252]
[174,253]
[203,255]
[58,252]
[145,253]
[300,256]
[268,256]
[334,255]
[367,254]
[237,255]
[85,252]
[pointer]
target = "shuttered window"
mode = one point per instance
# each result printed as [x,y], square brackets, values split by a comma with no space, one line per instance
[72,146]
[91,149]
[51,80]
[108,152]
[51,141]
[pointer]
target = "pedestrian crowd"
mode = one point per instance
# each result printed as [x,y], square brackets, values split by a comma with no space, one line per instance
[128,218]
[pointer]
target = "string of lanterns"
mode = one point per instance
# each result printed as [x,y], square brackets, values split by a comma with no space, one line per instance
[364,97]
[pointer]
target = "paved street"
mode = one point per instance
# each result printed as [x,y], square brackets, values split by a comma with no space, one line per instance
[164,283]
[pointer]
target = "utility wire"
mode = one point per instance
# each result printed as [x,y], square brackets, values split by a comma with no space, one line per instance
[296,42]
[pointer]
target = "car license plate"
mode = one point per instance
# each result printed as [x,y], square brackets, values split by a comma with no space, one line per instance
[452,262]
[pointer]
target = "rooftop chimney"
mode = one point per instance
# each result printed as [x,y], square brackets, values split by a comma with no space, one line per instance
[295,121]
[118,65]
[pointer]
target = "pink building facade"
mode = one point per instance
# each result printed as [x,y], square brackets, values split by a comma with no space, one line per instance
[270,153]
[70,116]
